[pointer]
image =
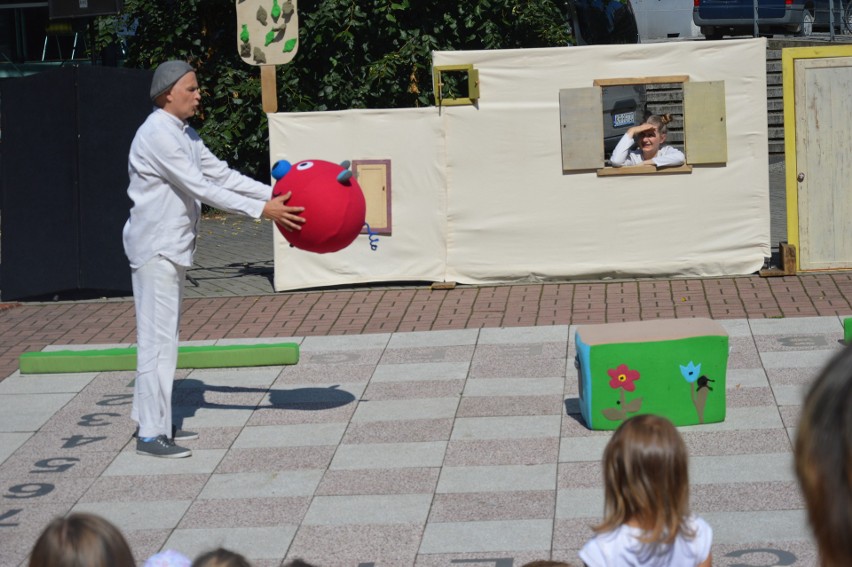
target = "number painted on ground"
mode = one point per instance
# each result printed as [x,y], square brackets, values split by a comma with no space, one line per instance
[803,341]
[10,514]
[49,466]
[781,557]
[78,440]
[95,419]
[30,490]
[116,400]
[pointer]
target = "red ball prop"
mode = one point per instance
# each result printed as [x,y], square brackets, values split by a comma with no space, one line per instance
[335,209]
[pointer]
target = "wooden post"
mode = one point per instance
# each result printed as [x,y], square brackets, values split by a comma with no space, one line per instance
[787,259]
[268,89]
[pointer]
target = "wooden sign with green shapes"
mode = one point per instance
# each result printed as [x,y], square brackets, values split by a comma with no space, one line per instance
[267,31]
[674,368]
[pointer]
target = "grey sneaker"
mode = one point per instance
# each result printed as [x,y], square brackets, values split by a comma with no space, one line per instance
[177,434]
[183,435]
[162,446]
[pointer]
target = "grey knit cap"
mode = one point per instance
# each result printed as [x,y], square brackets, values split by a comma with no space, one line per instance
[166,75]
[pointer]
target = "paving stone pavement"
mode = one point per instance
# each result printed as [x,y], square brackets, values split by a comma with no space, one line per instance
[434,448]
[234,258]
[420,427]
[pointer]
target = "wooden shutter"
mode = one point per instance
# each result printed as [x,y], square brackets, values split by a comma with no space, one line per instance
[581,124]
[705,131]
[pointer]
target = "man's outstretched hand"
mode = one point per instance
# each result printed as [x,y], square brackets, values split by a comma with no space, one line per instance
[286,217]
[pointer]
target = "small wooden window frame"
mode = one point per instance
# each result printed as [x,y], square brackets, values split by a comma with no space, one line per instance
[704,120]
[642,170]
[472,85]
[377,198]
[641,80]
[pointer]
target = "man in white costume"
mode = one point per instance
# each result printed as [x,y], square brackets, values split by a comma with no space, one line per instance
[171,173]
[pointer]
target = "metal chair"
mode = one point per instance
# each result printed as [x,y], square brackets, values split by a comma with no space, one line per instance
[56,30]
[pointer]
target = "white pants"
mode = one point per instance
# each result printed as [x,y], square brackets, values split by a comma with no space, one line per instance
[157,293]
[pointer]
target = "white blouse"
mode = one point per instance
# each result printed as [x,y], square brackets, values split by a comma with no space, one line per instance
[622,548]
[622,155]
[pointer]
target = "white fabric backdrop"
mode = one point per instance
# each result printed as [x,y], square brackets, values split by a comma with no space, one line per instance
[412,140]
[479,195]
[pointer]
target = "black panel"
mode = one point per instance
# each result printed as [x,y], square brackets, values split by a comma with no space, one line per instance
[112,104]
[39,227]
[82,8]
[66,134]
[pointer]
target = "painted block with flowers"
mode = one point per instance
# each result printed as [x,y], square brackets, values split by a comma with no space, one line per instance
[674,368]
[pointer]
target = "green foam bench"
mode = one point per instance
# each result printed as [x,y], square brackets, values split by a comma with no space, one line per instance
[675,368]
[124,358]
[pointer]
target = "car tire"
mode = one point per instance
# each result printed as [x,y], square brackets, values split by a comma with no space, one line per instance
[712,33]
[846,26]
[807,28]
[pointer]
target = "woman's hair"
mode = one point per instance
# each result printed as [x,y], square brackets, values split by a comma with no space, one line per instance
[81,539]
[659,121]
[646,479]
[220,558]
[824,459]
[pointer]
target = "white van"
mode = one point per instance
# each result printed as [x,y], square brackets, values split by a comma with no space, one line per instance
[665,19]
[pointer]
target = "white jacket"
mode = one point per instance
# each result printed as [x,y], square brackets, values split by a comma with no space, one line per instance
[171,173]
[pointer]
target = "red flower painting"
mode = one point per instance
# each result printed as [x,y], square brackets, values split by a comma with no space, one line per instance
[623,377]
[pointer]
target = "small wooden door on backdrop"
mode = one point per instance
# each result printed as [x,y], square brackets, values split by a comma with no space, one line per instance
[824,162]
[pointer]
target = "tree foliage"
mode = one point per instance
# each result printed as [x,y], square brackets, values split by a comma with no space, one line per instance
[352,54]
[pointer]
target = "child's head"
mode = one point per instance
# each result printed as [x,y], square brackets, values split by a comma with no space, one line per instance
[824,459]
[659,122]
[81,539]
[646,479]
[220,558]
[650,140]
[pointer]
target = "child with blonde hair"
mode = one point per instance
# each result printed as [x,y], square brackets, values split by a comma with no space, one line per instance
[648,138]
[646,501]
[81,539]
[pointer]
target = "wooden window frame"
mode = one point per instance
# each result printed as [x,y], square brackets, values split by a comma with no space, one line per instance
[472,85]
[387,229]
[609,171]
[581,108]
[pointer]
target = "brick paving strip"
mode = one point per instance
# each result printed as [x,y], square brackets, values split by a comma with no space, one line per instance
[30,327]
[452,447]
